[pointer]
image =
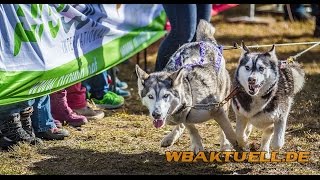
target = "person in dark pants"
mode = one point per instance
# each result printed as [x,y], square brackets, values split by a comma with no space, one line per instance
[316,13]
[184,19]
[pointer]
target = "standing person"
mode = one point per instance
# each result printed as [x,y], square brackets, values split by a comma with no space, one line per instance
[15,124]
[98,88]
[43,122]
[61,110]
[316,13]
[70,105]
[183,19]
[76,98]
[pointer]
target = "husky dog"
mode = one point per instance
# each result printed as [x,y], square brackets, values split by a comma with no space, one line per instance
[267,87]
[195,74]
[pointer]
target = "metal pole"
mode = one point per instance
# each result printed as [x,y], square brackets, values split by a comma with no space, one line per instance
[252,9]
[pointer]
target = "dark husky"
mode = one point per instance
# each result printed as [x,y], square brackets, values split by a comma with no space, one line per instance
[195,74]
[266,90]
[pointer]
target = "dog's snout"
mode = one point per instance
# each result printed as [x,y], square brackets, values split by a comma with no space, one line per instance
[252,80]
[156,115]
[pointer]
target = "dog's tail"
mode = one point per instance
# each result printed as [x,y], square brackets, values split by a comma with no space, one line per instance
[205,31]
[298,77]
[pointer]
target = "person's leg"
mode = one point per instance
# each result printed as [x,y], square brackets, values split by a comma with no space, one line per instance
[97,85]
[43,122]
[316,32]
[61,111]
[314,9]
[11,127]
[76,98]
[183,20]
[203,12]
[119,85]
[99,93]
[316,13]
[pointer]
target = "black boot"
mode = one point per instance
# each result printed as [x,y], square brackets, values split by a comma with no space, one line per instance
[25,118]
[12,131]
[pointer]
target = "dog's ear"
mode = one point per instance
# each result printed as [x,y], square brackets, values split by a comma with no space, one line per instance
[142,76]
[244,48]
[177,77]
[244,51]
[272,53]
[205,31]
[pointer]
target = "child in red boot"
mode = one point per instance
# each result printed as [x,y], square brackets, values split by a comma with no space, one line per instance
[76,98]
[70,105]
[61,111]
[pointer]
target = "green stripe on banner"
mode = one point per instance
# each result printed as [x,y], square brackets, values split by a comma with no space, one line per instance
[21,86]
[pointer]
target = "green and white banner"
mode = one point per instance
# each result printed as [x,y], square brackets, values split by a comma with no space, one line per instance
[47,47]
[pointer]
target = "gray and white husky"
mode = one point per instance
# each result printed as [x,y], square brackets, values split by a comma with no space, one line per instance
[267,87]
[195,74]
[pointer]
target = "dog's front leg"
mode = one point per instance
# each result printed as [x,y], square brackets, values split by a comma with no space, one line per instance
[279,133]
[196,144]
[242,131]
[173,136]
[265,141]
[224,143]
[224,122]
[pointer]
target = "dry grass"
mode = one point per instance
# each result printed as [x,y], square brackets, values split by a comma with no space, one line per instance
[125,142]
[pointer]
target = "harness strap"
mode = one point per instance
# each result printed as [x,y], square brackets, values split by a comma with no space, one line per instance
[202,50]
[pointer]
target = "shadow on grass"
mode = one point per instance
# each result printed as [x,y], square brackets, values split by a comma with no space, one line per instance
[85,161]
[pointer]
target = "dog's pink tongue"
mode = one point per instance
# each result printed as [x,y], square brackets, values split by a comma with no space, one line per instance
[157,123]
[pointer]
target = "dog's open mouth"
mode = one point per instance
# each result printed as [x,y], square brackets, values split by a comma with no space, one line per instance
[254,88]
[158,123]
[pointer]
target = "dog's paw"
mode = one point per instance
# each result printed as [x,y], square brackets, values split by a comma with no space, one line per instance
[276,146]
[166,142]
[267,155]
[226,147]
[196,148]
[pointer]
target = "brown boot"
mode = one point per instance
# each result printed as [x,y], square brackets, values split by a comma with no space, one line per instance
[89,113]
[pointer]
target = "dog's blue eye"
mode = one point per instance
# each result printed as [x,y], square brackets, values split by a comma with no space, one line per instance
[247,68]
[261,69]
[166,95]
[150,96]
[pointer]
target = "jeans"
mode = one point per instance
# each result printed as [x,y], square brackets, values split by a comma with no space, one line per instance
[41,118]
[184,19]
[97,85]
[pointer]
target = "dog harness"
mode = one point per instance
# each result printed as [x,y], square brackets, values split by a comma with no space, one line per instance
[203,47]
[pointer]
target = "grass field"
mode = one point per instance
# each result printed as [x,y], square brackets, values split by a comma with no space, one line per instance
[125,141]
